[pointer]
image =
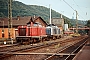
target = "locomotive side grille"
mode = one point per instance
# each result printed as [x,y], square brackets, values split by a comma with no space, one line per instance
[28,31]
[58,31]
[54,31]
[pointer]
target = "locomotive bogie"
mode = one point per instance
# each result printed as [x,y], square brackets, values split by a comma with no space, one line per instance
[21,39]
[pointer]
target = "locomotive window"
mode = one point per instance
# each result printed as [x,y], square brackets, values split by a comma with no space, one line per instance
[48,31]
[35,24]
[22,32]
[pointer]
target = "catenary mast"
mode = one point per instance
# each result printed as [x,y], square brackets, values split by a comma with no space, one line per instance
[9,17]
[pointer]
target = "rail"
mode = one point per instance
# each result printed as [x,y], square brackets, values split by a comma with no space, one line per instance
[48,58]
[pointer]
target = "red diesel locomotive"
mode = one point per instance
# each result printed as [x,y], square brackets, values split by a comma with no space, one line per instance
[31,33]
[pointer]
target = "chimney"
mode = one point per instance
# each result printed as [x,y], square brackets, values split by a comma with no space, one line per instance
[18,17]
[34,16]
[60,15]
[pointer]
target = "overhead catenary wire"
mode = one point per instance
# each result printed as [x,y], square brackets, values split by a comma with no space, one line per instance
[69,5]
[76,16]
[79,8]
[72,8]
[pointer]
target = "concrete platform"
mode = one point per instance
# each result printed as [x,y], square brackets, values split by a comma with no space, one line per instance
[84,53]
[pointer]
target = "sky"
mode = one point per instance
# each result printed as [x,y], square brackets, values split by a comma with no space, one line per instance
[65,7]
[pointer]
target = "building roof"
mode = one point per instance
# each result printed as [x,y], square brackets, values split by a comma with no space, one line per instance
[20,20]
[58,21]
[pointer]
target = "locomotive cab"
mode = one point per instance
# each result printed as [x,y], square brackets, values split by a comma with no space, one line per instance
[53,31]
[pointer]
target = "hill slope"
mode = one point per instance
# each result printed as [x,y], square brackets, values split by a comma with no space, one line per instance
[20,9]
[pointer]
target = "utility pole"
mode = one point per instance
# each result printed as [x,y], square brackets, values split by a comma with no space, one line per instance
[76,22]
[9,18]
[50,14]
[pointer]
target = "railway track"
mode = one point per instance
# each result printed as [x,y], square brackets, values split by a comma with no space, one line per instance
[17,47]
[6,49]
[24,51]
[68,52]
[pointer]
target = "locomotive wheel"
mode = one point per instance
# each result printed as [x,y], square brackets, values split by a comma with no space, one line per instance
[34,40]
[54,37]
[48,38]
[31,41]
[43,39]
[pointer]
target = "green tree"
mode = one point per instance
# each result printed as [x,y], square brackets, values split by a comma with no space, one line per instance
[67,21]
[88,23]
